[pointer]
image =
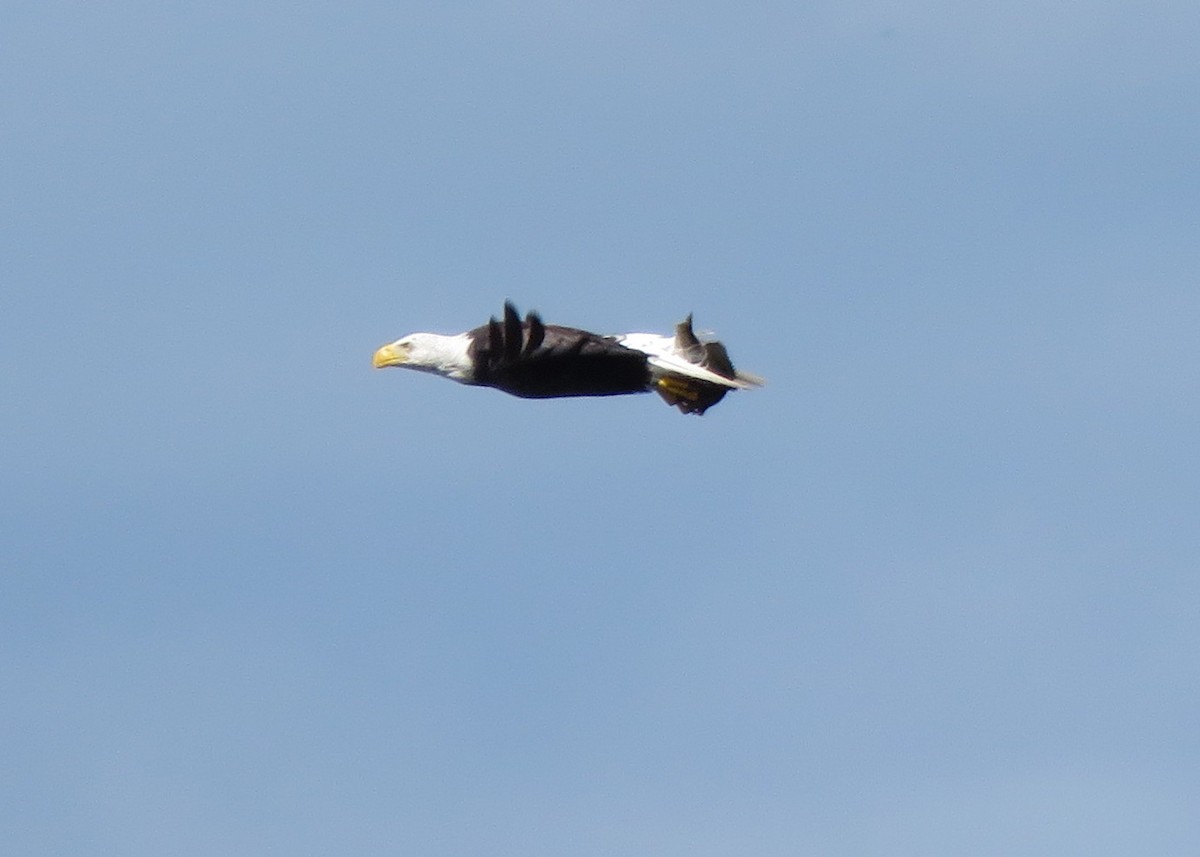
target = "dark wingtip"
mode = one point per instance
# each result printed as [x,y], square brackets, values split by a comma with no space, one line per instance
[685,337]
[512,331]
[495,336]
[537,332]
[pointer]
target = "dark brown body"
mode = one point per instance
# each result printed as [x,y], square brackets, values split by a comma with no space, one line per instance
[536,361]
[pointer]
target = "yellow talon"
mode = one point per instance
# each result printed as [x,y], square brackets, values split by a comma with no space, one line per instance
[680,388]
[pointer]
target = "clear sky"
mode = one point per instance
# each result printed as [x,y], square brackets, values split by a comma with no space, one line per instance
[933,591]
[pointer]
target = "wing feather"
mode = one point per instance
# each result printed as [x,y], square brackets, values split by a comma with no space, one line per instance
[512,332]
[537,332]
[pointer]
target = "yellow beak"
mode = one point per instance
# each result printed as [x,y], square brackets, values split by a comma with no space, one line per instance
[389,355]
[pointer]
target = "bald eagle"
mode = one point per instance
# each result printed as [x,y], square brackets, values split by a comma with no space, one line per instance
[540,361]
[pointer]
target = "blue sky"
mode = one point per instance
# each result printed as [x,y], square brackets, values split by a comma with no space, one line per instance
[932,591]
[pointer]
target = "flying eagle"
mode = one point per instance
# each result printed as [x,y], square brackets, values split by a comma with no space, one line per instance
[540,361]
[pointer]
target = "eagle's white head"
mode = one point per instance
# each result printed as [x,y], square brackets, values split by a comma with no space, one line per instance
[429,352]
